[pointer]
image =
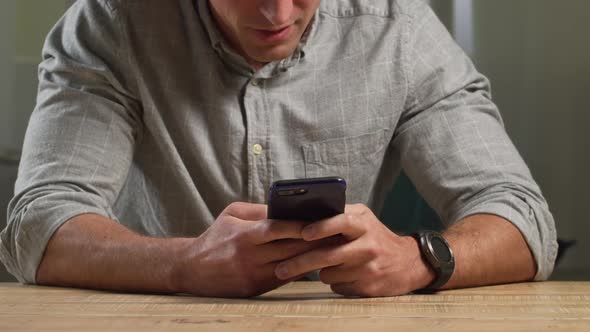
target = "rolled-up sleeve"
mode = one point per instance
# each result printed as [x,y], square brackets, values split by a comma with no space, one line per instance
[79,143]
[453,145]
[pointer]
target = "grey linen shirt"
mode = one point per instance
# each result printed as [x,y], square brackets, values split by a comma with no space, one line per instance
[145,115]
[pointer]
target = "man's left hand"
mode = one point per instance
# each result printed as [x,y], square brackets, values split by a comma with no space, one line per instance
[373,261]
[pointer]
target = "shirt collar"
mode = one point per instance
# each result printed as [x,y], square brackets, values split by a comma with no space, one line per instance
[232,58]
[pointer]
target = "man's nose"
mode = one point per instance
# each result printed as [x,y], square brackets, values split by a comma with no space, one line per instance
[278,12]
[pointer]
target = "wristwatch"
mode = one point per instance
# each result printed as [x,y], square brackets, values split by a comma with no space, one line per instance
[438,254]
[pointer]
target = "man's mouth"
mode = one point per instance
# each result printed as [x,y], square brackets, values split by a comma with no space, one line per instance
[275,34]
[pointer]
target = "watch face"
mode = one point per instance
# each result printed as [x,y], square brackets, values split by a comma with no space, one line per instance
[441,250]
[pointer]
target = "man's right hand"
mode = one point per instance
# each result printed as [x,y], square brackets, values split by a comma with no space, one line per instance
[237,255]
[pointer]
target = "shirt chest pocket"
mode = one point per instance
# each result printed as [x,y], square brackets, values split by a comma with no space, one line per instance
[357,159]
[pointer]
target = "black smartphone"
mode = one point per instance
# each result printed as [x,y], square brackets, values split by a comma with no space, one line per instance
[307,199]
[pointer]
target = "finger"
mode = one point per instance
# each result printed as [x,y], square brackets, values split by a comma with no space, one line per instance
[267,231]
[268,274]
[354,208]
[347,289]
[314,260]
[246,211]
[346,224]
[362,288]
[281,250]
[340,274]
[264,280]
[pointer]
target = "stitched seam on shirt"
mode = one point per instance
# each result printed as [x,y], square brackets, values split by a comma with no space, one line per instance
[267,141]
[366,10]
[8,260]
[405,57]
[126,55]
[109,5]
[388,15]
[412,99]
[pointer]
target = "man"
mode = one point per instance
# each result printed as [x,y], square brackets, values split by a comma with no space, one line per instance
[156,121]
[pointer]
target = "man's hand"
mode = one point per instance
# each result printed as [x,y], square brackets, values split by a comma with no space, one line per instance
[373,262]
[238,254]
[235,257]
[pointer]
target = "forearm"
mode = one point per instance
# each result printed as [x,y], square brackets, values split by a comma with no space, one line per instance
[91,251]
[488,250]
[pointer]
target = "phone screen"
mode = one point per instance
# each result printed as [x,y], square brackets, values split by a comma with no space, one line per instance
[307,199]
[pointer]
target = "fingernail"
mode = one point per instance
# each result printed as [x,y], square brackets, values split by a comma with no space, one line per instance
[308,232]
[282,271]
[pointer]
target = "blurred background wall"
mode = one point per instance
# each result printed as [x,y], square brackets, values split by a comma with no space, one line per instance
[537,55]
[23,26]
[535,52]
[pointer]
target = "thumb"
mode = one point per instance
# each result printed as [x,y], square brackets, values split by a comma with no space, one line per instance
[246,211]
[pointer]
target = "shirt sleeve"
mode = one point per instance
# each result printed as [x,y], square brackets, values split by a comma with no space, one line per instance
[453,145]
[79,143]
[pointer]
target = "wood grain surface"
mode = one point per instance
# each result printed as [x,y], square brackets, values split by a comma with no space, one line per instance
[301,306]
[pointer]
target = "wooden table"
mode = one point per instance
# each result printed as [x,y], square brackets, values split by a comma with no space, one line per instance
[301,306]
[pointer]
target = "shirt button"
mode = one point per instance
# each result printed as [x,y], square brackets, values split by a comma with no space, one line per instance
[255,82]
[257,149]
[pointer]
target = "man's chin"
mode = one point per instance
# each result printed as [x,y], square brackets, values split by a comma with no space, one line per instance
[275,54]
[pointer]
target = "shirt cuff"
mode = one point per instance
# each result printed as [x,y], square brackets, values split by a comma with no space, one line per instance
[23,242]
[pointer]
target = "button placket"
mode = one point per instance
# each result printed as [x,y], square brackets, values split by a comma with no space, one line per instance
[257,131]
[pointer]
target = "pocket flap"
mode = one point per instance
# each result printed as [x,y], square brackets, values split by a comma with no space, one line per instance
[362,149]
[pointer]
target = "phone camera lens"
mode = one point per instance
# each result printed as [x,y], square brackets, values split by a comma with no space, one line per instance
[292,192]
